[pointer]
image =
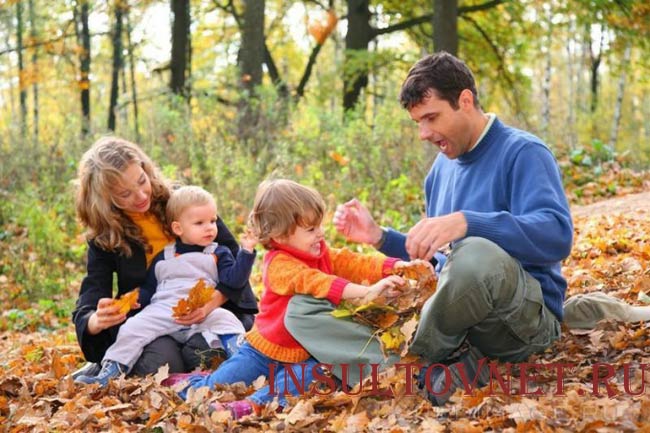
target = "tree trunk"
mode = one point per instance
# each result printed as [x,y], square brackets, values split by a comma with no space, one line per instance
[251,52]
[445,26]
[595,64]
[10,83]
[180,47]
[618,108]
[134,95]
[83,40]
[250,59]
[357,38]
[571,72]
[32,32]
[546,83]
[22,86]
[117,64]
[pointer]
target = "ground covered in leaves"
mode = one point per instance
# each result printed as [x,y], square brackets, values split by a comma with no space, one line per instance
[611,254]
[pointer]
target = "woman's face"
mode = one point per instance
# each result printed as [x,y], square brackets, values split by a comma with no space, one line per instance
[133,192]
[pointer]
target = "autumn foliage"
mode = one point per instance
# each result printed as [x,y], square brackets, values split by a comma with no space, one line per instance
[321,30]
[199,295]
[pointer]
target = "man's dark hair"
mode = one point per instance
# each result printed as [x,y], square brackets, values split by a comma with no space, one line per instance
[441,74]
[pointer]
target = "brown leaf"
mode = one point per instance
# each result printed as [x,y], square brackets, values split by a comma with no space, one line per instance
[199,295]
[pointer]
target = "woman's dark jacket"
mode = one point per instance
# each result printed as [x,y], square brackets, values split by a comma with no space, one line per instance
[131,273]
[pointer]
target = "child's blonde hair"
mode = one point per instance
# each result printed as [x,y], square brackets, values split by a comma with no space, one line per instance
[184,197]
[101,167]
[280,206]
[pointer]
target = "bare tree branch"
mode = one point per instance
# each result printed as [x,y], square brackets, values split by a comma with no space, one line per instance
[427,18]
[300,90]
[402,25]
[483,6]
[49,41]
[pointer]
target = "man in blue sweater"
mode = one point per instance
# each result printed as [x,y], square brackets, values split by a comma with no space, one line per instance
[495,195]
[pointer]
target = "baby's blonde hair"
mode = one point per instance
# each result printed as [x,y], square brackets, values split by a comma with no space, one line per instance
[102,167]
[185,197]
[280,206]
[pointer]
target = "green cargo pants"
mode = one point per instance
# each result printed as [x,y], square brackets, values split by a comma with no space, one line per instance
[483,295]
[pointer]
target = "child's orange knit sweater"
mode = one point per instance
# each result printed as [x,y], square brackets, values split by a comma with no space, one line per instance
[287,272]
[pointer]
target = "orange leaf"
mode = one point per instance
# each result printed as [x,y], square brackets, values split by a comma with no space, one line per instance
[199,295]
[58,367]
[127,301]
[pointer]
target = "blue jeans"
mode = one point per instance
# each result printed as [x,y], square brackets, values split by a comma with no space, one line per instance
[248,364]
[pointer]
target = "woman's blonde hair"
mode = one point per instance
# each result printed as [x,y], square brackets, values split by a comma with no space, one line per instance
[280,206]
[100,168]
[185,197]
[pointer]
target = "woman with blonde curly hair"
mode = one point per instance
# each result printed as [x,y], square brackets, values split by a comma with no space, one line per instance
[121,200]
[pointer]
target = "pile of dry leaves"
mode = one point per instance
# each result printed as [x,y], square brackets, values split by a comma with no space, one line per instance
[558,391]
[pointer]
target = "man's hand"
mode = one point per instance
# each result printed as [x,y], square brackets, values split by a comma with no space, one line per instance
[354,221]
[428,235]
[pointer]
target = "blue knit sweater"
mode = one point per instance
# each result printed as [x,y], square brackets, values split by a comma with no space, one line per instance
[510,191]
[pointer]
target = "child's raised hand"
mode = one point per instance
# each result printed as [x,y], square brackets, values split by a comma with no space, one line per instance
[389,287]
[248,241]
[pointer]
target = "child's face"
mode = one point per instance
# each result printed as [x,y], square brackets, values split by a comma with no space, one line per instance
[305,239]
[197,225]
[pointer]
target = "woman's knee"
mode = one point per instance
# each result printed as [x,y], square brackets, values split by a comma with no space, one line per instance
[161,351]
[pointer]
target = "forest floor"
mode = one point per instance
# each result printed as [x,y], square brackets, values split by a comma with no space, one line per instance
[611,253]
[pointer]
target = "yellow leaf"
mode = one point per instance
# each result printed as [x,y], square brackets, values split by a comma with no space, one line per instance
[127,301]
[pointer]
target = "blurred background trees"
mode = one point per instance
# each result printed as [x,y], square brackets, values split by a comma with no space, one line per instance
[226,92]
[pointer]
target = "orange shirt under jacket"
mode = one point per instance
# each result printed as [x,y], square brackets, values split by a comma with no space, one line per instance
[287,272]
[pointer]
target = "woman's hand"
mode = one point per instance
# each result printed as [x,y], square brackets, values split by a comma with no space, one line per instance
[106,316]
[200,314]
[191,318]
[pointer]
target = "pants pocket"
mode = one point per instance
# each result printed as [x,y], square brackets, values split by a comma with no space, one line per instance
[529,320]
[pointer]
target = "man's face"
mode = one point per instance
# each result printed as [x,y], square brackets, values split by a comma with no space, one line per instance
[447,128]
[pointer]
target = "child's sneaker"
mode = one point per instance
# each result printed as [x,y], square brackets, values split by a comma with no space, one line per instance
[438,393]
[110,370]
[238,409]
[89,369]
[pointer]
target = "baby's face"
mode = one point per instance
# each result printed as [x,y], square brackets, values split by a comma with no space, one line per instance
[197,225]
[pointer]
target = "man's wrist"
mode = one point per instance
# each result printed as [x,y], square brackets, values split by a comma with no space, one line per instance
[381,239]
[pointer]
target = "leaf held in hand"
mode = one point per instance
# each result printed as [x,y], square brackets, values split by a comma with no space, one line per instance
[199,295]
[393,319]
[127,301]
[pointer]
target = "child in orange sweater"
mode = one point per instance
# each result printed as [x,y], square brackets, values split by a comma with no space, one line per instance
[286,218]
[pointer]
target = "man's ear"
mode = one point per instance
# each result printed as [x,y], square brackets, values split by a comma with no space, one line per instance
[176,228]
[466,99]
